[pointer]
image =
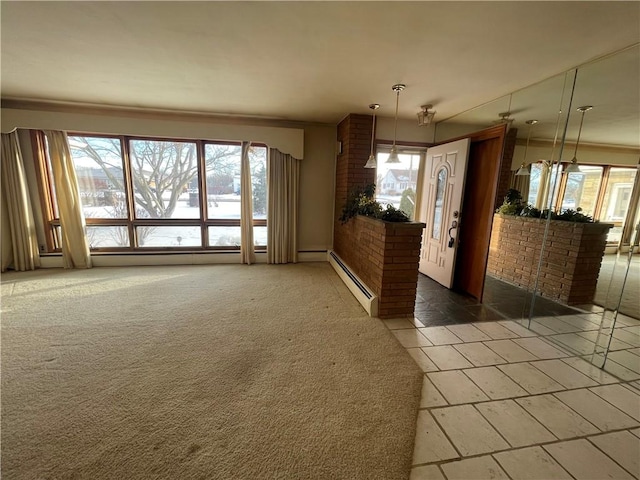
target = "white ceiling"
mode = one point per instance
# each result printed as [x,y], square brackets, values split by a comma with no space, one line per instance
[301,61]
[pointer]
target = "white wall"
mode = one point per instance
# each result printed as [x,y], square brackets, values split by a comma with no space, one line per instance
[408,131]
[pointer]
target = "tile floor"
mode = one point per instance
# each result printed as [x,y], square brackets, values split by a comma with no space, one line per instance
[501,401]
[437,305]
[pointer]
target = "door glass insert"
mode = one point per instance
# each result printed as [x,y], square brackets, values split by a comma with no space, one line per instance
[437,209]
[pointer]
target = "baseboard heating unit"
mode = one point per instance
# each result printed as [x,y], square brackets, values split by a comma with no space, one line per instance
[357,287]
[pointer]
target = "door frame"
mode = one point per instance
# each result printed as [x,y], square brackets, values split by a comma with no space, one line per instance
[486,154]
[441,267]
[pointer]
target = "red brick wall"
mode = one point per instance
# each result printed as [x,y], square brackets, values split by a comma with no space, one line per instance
[571,260]
[354,132]
[384,255]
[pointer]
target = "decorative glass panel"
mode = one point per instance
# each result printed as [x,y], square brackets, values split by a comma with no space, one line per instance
[437,211]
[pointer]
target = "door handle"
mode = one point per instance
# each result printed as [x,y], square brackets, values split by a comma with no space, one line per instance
[452,240]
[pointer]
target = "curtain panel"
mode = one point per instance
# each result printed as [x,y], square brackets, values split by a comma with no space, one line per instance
[545,186]
[75,247]
[283,177]
[19,238]
[247,248]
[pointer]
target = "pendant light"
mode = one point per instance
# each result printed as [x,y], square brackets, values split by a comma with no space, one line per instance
[371,162]
[524,168]
[573,166]
[425,117]
[393,156]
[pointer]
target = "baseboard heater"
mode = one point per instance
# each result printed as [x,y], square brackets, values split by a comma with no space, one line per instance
[357,287]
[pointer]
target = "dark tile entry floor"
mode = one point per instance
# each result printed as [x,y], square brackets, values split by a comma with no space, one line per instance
[437,305]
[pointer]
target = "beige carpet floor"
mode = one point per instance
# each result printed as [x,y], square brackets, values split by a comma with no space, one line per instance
[200,372]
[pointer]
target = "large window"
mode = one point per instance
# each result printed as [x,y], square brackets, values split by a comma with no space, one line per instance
[601,191]
[140,193]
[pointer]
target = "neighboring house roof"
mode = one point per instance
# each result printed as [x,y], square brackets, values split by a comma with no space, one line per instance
[400,175]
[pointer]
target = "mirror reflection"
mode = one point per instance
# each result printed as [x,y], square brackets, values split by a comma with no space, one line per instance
[573,147]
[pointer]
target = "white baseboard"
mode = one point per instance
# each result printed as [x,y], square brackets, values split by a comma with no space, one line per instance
[363,294]
[142,259]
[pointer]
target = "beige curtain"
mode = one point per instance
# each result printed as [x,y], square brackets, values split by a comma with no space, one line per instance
[75,248]
[521,183]
[247,249]
[19,239]
[542,200]
[283,174]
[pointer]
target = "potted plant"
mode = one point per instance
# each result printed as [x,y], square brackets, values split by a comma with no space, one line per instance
[361,201]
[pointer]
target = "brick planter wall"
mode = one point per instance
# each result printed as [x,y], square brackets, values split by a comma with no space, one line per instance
[571,260]
[385,256]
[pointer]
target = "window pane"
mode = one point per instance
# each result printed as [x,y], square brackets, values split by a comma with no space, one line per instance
[223,180]
[224,237]
[537,176]
[582,189]
[101,237]
[230,236]
[617,194]
[534,182]
[616,199]
[98,165]
[168,236]
[396,182]
[260,236]
[162,174]
[258,161]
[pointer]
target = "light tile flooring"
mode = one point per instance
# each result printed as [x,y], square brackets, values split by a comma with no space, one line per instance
[500,401]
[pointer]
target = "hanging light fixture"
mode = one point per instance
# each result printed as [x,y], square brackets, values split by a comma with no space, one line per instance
[425,117]
[573,166]
[524,168]
[393,156]
[371,162]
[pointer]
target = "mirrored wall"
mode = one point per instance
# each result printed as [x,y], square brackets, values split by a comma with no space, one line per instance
[573,147]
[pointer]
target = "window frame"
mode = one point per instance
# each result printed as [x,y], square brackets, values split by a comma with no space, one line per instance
[600,197]
[51,218]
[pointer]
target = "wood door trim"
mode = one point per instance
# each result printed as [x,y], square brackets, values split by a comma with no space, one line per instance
[482,226]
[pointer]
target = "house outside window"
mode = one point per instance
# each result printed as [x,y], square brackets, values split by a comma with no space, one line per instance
[397,183]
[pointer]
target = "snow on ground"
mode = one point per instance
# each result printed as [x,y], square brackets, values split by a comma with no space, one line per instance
[219,207]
